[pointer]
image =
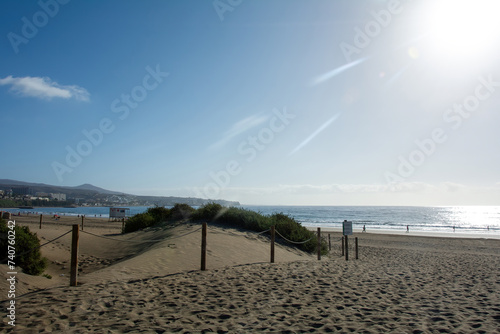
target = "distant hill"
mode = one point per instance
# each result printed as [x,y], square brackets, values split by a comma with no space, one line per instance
[98,196]
[87,186]
[82,190]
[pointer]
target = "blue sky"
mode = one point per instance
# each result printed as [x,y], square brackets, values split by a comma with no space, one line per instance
[273,102]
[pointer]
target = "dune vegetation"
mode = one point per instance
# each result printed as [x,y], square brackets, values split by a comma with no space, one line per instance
[234,217]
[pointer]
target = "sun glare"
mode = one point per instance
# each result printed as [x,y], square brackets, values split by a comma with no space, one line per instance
[463,28]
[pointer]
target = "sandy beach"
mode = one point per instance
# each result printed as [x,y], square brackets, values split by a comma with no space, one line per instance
[149,282]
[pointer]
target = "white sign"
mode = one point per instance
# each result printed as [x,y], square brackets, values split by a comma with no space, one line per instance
[347,228]
[118,212]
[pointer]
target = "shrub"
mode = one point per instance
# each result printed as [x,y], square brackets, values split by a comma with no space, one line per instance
[181,211]
[28,254]
[139,221]
[294,231]
[156,215]
[246,219]
[234,217]
[251,220]
[159,213]
[209,211]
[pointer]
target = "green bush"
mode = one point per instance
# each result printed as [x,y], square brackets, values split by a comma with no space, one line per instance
[208,211]
[159,213]
[294,231]
[246,219]
[28,254]
[156,215]
[233,217]
[139,221]
[181,211]
[254,221]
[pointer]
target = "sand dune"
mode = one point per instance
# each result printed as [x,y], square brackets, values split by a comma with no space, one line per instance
[400,284]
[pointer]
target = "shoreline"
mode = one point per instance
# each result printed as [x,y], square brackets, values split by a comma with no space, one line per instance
[416,233]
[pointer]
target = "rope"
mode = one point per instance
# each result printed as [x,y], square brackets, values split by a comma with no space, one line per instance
[294,242]
[31,250]
[252,236]
[183,235]
[48,242]
[114,239]
[142,241]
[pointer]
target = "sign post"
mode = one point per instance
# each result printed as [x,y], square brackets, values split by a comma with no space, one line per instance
[347,228]
[346,231]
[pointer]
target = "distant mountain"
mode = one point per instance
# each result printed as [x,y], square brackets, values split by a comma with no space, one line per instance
[19,183]
[51,188]
[88,193]
[87,186]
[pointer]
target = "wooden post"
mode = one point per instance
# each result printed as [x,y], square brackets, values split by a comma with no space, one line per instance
[204,247]
[41,219]
[273,235]
[356,246]
[319,243]
[329,243]
[83,218]
[343,246]
[346,248]
[74,257]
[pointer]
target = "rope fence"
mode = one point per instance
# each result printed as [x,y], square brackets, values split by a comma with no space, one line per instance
[38,247]
[273,231]
[67,220]
[51,241]
[119,240]
[294,242]
[141,241]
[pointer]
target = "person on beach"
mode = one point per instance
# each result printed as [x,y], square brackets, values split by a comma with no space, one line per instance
[407,228]
[364,228]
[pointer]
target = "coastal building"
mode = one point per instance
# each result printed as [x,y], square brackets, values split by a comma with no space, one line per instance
[21,191]
[59,197]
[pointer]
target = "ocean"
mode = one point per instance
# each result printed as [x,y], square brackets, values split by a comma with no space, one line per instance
[465,219]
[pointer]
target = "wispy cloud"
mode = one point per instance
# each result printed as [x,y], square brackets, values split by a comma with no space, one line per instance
[314,134]
[396,76]
[327,76]
[239,128]
[43,88]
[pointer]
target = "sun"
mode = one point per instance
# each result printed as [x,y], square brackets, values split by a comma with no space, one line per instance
[459,29]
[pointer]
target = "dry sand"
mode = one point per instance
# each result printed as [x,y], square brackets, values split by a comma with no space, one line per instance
[399,284]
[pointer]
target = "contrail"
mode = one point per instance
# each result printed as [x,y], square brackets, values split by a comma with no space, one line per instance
[315,133]
[396,76]
[337,71]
